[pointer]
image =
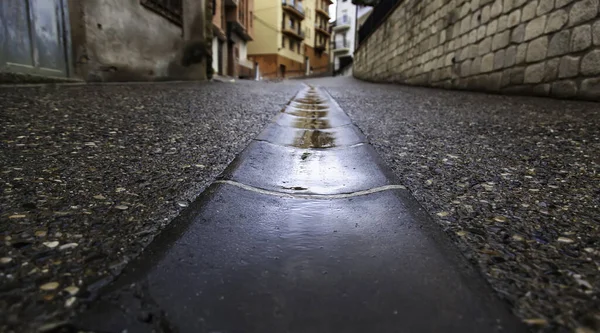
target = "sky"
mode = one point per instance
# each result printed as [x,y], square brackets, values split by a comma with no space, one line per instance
[332,11]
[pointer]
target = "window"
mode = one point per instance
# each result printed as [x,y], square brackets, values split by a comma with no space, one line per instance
[292,45]
[282,42]
[298,45]
[251,18]
[170,9]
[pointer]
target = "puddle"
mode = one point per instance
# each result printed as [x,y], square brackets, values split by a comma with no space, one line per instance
[307,113]
[314,139]
[307,106]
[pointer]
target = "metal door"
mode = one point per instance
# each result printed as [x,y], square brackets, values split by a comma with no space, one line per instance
[34,37]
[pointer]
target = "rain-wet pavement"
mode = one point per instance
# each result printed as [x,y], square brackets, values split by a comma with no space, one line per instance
[512,180]
[89,174]
[306,231]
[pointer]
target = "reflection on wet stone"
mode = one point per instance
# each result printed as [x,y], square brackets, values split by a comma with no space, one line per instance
[312,112]
[314,139]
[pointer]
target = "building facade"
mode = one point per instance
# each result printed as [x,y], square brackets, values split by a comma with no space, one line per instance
[105,40]
[291,37]
[348,17]
[232,24]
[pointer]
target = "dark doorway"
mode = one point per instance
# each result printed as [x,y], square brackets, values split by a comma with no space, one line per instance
[220,58]
[282,70]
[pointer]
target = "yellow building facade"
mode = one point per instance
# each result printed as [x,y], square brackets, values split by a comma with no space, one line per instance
[291,37]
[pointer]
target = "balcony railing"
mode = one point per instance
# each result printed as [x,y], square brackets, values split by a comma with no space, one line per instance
[340,45]
[322,28]
[294,4]
[296,30]
[342,23]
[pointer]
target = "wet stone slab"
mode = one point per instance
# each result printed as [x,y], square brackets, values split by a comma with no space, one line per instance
[293,170]
[342,136]
[298,265]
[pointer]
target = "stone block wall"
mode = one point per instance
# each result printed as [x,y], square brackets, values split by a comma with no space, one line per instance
[541,47]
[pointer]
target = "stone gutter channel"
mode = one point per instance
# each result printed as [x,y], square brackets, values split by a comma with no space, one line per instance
[306,231]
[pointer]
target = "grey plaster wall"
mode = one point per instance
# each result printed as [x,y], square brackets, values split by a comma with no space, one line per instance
[541,47]
[121,40]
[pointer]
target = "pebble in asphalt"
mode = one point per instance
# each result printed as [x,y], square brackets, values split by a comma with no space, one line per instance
[514,181]
[90,174]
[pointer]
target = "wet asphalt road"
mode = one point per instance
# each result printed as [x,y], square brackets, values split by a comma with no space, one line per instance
[90,174]
[514,182]
[305,232]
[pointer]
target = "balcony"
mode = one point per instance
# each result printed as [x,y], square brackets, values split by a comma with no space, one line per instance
[323,29]
[321,47]
[292,31]
[342,24]
[340,47]
[323,11]
[293,7]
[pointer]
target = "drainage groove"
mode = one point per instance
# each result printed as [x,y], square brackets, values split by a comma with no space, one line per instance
[306,231]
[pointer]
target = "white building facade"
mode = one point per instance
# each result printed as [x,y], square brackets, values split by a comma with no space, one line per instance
[344,40]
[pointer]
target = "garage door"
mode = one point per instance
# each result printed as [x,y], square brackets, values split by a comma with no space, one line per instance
[33,37]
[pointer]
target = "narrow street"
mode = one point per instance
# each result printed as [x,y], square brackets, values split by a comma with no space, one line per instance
[186,207]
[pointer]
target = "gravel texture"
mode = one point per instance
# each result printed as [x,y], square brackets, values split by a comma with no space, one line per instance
[515,182]
[89,174]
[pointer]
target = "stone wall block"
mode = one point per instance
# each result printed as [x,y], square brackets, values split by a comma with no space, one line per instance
[596,32]
[508,6]
[510,56]
[500,40]
[502,23]
[487,63]
[518,34]
[481,32]
[521,53]
[544,7]
[499,59]
[537,49]
[476,66]
[514,18]
[583,10]
[556,21]
[590,88]
[581,38]
[519,3]
[485,46]
[551,70]
[485,14]
[559,43]
[542,89]
[505,77]
[568,67]
[496,9]
[517,75]
[534,73]
[564,89]
[494,81]
[529,10]
[590,63]
[535,28]
[562,3]
[465,68]
[492,27]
